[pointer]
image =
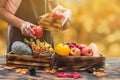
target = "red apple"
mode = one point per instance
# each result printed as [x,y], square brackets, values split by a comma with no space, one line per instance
[77,45]
[80,46]
[57,15]
[71,45]
[86,51]
[75,52]
[38,31]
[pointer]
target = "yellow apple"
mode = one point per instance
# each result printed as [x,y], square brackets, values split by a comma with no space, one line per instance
[62,49]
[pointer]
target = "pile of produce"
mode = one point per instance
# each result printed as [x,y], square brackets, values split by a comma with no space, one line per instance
[35,48]
[40,48]
[75,49]
[51,21]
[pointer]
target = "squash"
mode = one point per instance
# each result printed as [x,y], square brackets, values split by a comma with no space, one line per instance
[20,48]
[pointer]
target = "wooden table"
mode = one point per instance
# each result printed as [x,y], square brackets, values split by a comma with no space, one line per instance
[112,68]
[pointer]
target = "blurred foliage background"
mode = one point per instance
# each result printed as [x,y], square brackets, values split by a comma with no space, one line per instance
[95,21]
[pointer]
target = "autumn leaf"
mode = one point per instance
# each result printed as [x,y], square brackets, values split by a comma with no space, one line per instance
[100,74]
[10,67]
[21,71]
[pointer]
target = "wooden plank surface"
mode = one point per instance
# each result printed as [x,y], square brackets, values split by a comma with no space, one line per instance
[112,68]
[27,58]
[80,62]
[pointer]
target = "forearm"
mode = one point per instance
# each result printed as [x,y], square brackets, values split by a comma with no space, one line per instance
[10,18]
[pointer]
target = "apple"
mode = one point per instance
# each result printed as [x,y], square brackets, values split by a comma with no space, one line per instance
[81,46]
[87,51]
[57,15]
[75,52]
[38,31]
[62,49]
[71,45]
[74,43]
[77,45]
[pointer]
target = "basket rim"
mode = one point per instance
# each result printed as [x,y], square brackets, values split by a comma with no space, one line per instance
[11,53]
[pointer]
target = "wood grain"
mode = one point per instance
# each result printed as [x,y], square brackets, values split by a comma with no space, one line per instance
[112,69]
[26,60]
[80,62]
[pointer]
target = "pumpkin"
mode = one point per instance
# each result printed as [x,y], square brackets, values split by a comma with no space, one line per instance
[21,48]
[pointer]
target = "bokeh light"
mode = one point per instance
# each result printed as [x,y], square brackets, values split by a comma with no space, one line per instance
[95,21]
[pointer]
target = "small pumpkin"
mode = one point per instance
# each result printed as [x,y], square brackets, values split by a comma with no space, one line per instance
[21,48]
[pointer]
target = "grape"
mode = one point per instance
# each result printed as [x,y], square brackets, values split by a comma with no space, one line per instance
[32,71]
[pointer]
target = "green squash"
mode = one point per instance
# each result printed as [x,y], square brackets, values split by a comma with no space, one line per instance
[21,48]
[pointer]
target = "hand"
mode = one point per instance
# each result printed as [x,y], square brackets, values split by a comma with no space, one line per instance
[26,29]
[67,15]
[67,18]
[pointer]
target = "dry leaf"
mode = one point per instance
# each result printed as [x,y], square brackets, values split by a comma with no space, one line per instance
[18,70]
[99,74]
[47,71]
[1,68]
[10,67]
[53,71]
[22,71]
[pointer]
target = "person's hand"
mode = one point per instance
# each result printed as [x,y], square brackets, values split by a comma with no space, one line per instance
[26,29]
[67,16]
[67,19]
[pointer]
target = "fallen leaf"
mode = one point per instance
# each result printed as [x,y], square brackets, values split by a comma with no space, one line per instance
[74,75]
[53,71]
[10,67]
[22,71]
[1,68]
[47,71]
[18,70]
[99,74]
